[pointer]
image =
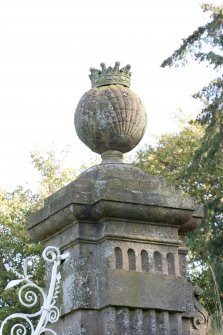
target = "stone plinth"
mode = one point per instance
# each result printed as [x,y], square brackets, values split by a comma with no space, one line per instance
[126,272]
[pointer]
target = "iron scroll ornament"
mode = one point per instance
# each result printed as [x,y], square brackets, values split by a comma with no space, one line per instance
[49,312]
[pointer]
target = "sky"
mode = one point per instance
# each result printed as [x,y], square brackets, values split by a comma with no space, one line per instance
[46,50]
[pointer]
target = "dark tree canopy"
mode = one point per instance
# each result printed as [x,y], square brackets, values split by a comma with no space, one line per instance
[205,170]
[205,44]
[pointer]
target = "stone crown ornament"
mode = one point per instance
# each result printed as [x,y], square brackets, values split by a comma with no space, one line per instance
[110,75]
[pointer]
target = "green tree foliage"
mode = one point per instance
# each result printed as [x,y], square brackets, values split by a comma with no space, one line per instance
[54,175]
[15,242]
[170,158]
[205,44]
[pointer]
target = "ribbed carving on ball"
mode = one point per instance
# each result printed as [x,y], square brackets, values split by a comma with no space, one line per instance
[110,118]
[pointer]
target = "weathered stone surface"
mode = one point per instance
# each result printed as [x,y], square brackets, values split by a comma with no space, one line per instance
[123,320]
[110,118]
[175,294]
[150,199]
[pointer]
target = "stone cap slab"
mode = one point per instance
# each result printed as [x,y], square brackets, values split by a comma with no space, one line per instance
[148,199]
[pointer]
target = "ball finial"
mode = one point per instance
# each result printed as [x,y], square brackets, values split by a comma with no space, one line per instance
[110,118]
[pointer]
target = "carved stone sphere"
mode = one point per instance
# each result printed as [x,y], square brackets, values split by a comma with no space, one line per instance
[110,117]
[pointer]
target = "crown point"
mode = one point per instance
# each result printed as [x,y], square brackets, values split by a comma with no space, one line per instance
[116,68]
[103,66]
[126,70]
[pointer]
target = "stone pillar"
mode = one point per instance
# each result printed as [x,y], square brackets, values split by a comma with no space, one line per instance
[126,274]
[121,228]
